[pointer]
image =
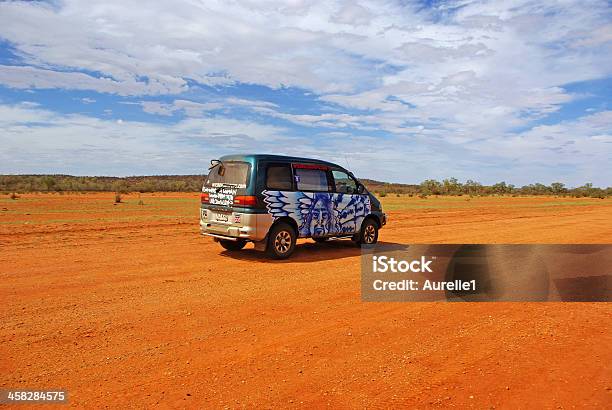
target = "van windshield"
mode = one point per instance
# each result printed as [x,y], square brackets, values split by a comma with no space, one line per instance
[229,173]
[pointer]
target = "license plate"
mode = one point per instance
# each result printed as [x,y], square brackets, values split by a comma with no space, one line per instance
[221,217]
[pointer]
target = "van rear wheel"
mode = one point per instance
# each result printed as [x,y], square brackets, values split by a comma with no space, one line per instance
[232,245]
[281,241]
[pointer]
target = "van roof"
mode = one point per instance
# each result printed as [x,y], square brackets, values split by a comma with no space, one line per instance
[280,158]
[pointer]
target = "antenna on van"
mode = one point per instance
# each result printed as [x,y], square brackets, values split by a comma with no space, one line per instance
[347,162]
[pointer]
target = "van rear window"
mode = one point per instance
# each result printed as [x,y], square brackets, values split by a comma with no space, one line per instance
[229,173]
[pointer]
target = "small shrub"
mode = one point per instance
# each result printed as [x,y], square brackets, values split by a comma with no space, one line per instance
[14,196]
[382,194]
[423,196]
[397,195]
[117,197]
[141,202]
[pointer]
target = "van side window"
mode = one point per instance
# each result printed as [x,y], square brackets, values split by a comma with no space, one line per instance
[344,183]
[279,177]
[311,180]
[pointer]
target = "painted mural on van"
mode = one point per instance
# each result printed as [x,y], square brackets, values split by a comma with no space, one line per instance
[319,214]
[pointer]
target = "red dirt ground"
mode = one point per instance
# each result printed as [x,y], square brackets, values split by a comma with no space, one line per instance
[128,305]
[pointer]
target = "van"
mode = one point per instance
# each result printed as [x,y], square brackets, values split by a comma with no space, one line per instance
[272,200]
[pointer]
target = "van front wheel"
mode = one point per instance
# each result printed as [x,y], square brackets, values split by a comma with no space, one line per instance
[281,241]
[232,245]
[369,233]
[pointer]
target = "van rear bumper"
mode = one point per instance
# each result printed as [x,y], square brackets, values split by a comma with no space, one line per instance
[231,233]
[252,227]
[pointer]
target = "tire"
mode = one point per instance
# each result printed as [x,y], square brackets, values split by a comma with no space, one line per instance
[232,245]
[281,241]
[368,235]
[320,239]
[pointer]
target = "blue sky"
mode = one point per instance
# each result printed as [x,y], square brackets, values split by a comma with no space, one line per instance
[396,90]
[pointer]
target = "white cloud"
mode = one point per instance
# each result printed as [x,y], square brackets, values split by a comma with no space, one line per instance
[250,103]
[195,109]
[353,14]
[156,107]
[190,108]
[582,142]
[32,77]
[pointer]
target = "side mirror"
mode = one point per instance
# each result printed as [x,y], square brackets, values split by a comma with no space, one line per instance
[360,189]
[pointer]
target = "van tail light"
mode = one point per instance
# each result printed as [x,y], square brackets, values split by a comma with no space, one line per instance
[204,197]
[241,200]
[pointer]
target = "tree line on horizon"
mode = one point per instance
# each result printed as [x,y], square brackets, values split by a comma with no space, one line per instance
[70,183]
[193,183]
[452,187]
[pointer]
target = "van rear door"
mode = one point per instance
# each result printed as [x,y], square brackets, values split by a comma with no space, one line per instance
[226,187]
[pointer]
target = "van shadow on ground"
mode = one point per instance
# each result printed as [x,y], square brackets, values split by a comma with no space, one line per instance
[309,251]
